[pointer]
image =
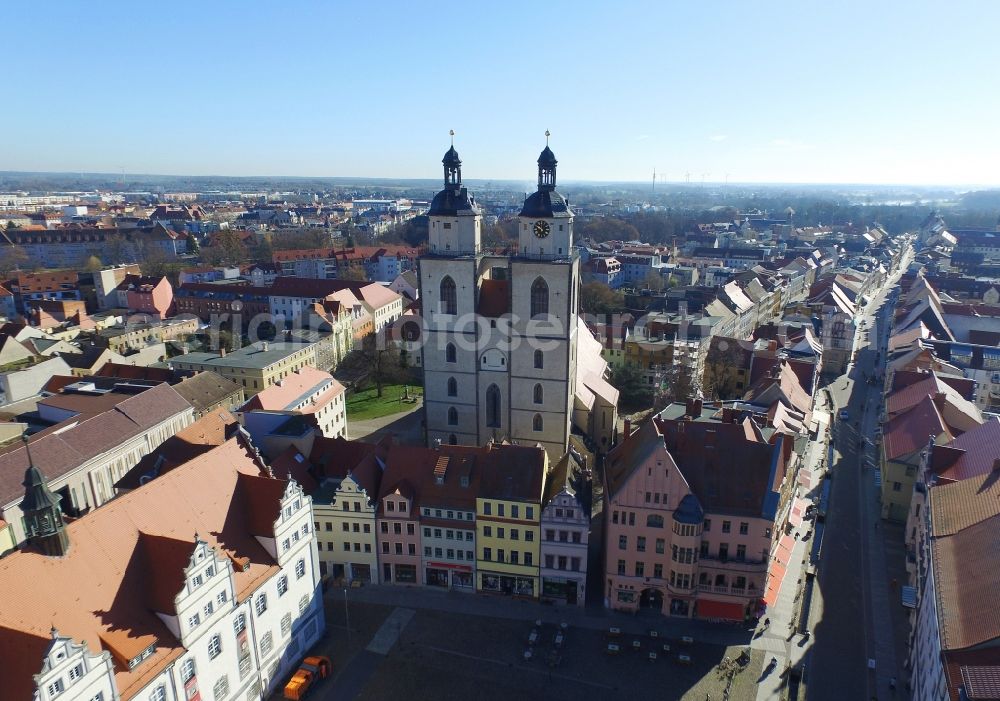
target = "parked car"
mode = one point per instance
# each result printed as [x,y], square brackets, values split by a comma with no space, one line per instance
[844,415]
[310,671]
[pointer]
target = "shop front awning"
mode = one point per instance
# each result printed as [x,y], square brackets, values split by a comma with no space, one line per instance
[726,610]
[774,579]
[797,514]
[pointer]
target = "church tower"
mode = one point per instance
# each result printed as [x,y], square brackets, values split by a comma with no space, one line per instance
[546,229]
[43,521]
[455,225]
[449,275]
[499,351]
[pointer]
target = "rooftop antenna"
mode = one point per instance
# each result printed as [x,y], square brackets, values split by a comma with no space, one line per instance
[654,179]
[547,135]
[451,133]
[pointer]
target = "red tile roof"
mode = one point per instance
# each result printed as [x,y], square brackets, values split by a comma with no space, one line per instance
[293,388]
[110,604]
[973,453]
[58,452]
[910,431]
[211,430]
[494,298]
[967,610]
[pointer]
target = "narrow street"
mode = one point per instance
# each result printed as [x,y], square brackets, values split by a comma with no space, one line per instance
[860,628]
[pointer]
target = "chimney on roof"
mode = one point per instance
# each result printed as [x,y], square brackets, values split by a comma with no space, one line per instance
[728,415]
[772,345]
[263,346]
[628,429]
[939,399]
[694,408]
[222,351]
[437,444]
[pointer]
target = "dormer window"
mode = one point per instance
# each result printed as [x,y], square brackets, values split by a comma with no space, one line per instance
[56,687]
[141,656]
[196,581]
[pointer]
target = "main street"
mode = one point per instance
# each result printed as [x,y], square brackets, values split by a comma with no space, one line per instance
[857,624]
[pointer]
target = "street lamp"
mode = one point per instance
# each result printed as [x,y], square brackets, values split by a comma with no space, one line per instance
[347,619]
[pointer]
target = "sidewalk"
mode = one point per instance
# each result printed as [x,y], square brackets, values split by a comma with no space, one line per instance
[778,640]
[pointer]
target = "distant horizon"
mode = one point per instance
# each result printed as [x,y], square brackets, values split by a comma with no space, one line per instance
[960,187]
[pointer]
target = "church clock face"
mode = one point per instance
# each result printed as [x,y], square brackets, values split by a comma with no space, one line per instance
[542,229]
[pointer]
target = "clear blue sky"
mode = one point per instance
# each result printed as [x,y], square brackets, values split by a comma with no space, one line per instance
[774,91]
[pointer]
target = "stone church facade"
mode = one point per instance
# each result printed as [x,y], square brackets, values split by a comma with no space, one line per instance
[500,330]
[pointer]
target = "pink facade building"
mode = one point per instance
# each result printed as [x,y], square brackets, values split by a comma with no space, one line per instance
[397,523]
[142,294]
[691,501]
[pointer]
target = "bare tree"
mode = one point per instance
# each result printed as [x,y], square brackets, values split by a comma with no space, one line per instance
[381,360]
[723,367]
[12,258]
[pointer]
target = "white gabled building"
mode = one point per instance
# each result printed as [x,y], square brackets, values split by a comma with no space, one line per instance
[201,584]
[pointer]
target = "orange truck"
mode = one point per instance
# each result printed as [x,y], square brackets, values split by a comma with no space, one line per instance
[309,672]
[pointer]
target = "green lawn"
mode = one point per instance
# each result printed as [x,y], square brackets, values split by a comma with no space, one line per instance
[368,405]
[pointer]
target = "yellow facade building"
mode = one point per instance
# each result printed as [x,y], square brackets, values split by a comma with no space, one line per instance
[508,517]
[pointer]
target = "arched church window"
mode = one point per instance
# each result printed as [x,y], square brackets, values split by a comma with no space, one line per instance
[493,406]
[450,354]
[452,387]
[536,423]
[539,360]
[449,298]
[452,416]
[539,298]
[538,394]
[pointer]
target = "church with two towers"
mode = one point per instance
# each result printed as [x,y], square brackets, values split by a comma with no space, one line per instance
[502,331]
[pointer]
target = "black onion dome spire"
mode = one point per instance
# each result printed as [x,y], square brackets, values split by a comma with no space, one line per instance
[37,495]
[454,198]
[547,158]
[43,519]
[546,203]
[451,158]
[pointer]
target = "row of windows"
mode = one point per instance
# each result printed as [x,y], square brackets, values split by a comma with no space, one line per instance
[640,544]
[411,548]
[449,534]
[652,520]
[564,536]
[515,510]
[515,534]
[560,563]
[452,554]
[397,528]
[287,542]
[492,417]
[460,515]
[451,356]
[348,547]
[512,557]
[194,620]
[539,297]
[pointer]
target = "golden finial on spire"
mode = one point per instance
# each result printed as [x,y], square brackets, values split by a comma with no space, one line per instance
[547,135]
[451,133]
